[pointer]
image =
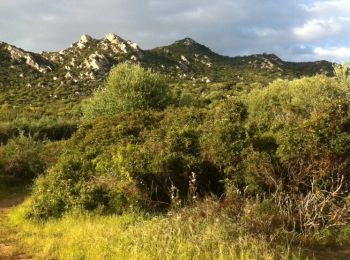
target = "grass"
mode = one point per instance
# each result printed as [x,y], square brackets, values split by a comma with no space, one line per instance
[186,234]
[10,194]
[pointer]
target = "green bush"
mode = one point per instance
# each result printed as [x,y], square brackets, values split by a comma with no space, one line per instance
[20,158]
[307,119]
[128,88]
[67,185]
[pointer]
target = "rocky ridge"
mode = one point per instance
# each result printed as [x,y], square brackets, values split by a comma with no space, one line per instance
[80,68]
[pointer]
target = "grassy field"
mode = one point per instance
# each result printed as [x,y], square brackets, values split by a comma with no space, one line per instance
[192,233]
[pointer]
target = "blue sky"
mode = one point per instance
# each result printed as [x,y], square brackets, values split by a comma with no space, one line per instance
[296,30]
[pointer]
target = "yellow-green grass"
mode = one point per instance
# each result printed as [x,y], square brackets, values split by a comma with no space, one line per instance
[180,235]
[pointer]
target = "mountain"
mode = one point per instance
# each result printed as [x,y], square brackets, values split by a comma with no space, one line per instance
[27,77]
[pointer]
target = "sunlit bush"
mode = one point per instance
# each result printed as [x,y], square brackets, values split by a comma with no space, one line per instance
[128,88]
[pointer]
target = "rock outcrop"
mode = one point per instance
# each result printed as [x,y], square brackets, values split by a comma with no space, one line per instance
[18,54]
[97,62]
[84,39]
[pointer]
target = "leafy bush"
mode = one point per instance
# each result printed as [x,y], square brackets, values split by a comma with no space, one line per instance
[307,122]
[128,88]
[20,158]
[68,185]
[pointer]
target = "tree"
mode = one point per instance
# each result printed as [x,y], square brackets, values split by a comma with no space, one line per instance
[128,88]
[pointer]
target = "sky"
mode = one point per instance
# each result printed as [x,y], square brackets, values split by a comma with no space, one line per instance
[295,30]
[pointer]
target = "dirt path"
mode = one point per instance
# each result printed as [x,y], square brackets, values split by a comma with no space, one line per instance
[8,248]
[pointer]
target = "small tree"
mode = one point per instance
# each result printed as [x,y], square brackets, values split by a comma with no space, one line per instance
[128,88]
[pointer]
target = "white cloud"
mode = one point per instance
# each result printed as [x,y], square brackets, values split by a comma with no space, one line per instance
[340,53]
[328,7]
[317,28]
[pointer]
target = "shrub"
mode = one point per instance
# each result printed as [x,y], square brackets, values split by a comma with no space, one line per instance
[128,88]
[67,185]
[20,158]
[225,136]
[307,122]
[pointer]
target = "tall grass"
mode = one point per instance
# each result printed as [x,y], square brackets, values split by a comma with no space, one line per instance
[187,234]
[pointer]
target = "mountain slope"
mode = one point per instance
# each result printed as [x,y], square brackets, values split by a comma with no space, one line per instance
[30,78]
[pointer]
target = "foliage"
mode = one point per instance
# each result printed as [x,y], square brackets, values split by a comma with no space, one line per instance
[128,88]
[273,157]
[287,143]
[20,158]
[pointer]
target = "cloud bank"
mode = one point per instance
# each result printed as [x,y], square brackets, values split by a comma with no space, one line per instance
[295,30]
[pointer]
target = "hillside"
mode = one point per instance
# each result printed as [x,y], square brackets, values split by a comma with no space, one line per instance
[174,152]
[67,75]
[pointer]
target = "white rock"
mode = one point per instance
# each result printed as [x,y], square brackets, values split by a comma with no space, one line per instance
[133,45]
[206,80]
[81,45]
[122,46]
[103,46]
[183,58]
[85,38]
[18,54]
[68,75]
[96,62]
[72,62]
[31,62]
[90,75]
[111,37]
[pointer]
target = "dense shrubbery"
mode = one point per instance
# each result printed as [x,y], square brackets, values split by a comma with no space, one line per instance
[30,138]
[23,158]
[20,158]
[286,146]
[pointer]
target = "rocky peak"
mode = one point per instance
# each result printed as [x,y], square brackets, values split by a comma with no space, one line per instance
[187,41]
[189,48]
[84,39]
[113,38]
[118,44]
[271,56]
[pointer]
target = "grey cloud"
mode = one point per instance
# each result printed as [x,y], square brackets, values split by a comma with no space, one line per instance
[229,27]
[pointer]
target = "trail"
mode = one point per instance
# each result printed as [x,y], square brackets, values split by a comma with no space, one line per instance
[8,242]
